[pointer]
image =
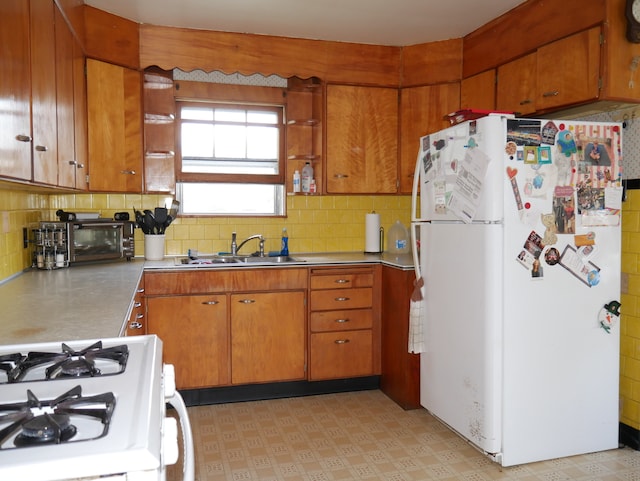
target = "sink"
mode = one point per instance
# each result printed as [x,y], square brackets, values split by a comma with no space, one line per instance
[269,260]
[228,259]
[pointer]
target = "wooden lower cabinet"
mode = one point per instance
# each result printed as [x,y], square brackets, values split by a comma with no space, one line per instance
[229,327]
[343,323]
[136,323]
[400,379]
[267,337]
[195,337]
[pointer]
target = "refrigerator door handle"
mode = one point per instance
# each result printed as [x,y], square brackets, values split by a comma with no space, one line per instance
[414,190]
[415,228]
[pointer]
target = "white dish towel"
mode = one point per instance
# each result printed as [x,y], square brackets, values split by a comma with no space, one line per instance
[416,336]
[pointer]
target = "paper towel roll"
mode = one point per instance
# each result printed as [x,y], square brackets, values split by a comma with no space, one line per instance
[372,234]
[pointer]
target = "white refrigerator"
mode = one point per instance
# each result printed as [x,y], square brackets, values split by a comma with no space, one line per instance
[516,234]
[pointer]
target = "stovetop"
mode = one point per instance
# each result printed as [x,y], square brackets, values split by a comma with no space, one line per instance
[97,406]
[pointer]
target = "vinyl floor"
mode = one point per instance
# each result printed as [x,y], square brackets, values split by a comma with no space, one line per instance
[361,436]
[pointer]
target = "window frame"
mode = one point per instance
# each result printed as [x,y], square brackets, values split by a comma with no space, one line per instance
[240,96]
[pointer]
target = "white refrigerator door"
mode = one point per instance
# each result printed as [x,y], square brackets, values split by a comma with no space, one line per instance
[461,369]
[462,163]
[561,369]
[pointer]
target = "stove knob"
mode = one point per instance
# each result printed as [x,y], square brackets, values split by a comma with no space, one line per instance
[170,449]
[169,378]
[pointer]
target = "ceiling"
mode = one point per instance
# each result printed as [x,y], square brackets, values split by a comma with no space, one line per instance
[378,22]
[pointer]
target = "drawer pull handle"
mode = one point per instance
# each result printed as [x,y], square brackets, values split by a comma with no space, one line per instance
[135,325]
[341,299]
[139,316]
[137,305]
[23,138]
[128,172]
[246,301]
[342,281]
[342,321]
[140,291]
[553,93]
[41,148]
[210,303]
[341,341]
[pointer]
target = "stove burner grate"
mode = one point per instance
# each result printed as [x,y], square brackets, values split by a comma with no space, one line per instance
[67,363]
[35,422]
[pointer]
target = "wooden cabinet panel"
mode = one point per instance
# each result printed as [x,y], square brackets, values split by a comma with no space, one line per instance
[362,139]
[195,335]
[268,337]
[422,111]
[331,299]
[137,324]
[80,117]
[220,280]
[114,127]
[336,355]
[400,379]
[43,93]
[15,90]
[568,70]
[341,320]
[479,91]
[517,87]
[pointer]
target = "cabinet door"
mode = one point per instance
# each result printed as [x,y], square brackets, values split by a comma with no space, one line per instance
[479,91]
[267,337]
[195,336]
[114,102]
[15,114]
[517,85]
[80,117]
[65,101]
[422,111]
[336,355]
[568,70]
[362,139]
[43,93]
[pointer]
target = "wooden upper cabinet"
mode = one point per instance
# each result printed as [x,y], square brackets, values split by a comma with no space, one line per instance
[43,92]
[479,91]
[362,140]
[517,85]
[422,111]
[114,107]
[568,70]
[15,116]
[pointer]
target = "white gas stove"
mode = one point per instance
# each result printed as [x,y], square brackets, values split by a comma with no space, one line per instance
[88,409]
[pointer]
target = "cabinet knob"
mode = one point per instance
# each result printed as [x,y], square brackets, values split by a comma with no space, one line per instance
[210,303]
[135,325]
[553,93]
[246,301]
[41,148]
[139,316]
[341,341]
[137,305]
[341,299]
[23,138]
[341,281]
[128,172]
[342,321]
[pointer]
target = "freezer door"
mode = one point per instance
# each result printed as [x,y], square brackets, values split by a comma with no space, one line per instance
[461,369]
[459,173]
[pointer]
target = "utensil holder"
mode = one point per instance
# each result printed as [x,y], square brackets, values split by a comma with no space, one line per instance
[154,247]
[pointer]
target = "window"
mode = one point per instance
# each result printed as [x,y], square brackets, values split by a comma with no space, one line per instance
[231,154]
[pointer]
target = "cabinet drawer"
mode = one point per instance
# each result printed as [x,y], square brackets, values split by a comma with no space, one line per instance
[342,320]
[337,355]
[338,299]
[343,281]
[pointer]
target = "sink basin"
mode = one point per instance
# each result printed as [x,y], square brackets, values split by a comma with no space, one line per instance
[228,259]
[268,260]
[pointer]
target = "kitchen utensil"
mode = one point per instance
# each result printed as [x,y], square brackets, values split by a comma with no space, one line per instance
[149,222]
[175,206]
[160,216]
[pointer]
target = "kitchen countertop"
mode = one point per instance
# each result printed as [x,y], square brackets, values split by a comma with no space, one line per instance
[92,301]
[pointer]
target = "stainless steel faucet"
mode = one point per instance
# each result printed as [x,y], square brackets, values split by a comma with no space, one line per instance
[235,247]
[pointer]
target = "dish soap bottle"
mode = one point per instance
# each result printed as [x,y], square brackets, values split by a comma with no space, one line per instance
[296,181]
[284,249]
[398,239]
